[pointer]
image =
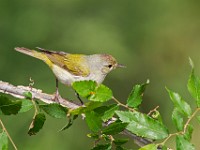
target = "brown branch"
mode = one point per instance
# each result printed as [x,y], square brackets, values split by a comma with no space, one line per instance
[18,92]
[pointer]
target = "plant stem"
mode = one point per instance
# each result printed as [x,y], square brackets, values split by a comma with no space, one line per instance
[190,118]
[3,127]
[131,109]
[184,129]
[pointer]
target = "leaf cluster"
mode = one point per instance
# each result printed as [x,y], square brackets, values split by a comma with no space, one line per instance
[106,117]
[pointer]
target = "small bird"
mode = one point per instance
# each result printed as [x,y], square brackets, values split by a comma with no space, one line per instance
[69,68]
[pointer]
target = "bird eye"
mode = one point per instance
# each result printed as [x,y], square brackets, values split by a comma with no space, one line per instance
[109,66]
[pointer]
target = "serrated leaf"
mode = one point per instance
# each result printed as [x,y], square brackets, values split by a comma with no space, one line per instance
[37,124]
[3,141]
[119,142]
[143,125]
[28,95]
[188,133]
[135,97]
[94,121]
[102,147]
[9,107]
[177,119]
[92,91]
[107,112]
[180,104]
[183,144]
[84,88]
[26,106]
[194,86]
[149,147]
[114,128]
[70,122]
[110,112]
[101,94]
[55,110]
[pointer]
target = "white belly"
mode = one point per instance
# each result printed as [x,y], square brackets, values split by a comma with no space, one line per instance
[66,78]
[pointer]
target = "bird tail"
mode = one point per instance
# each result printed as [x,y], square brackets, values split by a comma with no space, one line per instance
[33,53]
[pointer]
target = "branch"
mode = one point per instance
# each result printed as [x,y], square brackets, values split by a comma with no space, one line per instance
[18,92]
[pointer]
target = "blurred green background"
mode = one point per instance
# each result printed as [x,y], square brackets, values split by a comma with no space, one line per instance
[154,39]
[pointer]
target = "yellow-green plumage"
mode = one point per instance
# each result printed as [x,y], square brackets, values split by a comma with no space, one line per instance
[74,67]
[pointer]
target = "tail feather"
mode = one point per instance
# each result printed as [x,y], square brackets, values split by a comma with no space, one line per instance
[29,52]
[33,53]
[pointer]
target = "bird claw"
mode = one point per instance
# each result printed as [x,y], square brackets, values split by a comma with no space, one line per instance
[56,97]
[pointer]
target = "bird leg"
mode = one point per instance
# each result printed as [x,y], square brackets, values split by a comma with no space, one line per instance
[78,96]
[57,95]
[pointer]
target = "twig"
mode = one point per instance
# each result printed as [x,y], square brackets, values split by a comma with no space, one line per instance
[3,127]
[18,91]
[189,119]
[121,104]
[153,110]
[184,129]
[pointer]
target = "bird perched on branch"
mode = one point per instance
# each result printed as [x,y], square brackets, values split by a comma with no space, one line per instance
[69,68]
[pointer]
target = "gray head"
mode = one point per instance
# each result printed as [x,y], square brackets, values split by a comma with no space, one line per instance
[103,63]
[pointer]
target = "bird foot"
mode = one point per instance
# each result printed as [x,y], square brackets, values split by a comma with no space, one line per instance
[56,97]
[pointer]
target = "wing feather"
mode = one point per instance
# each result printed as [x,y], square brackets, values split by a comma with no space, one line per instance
[74,63]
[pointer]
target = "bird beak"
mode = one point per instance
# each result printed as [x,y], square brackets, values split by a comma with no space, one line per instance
[121,66]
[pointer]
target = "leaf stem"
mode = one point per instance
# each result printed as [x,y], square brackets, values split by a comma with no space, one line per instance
[35,107]
[190,118]
[4,128]
[153,110]
[184,129]
[121,104]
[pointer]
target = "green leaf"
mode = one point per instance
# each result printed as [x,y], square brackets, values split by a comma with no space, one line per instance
[8,106]
[119,142]
[70,122]
[149,147]
[107,112]
[143,125]
[92,91]
[156,115]
[3,141]
[164,147]
[84,88]
[135,97]
[37,124]
[102,147]
[55,110]
[93,135]
[26,106]
[114,128]
[86,107]
[180,104]
[94,121]
[188,134]
[110,112]
[177,119]
[194,85]
[101,94]
[183,144]
[198,118]
[121,148]
[28,95]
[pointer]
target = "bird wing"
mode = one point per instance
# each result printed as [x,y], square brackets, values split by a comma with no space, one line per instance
[73,63]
